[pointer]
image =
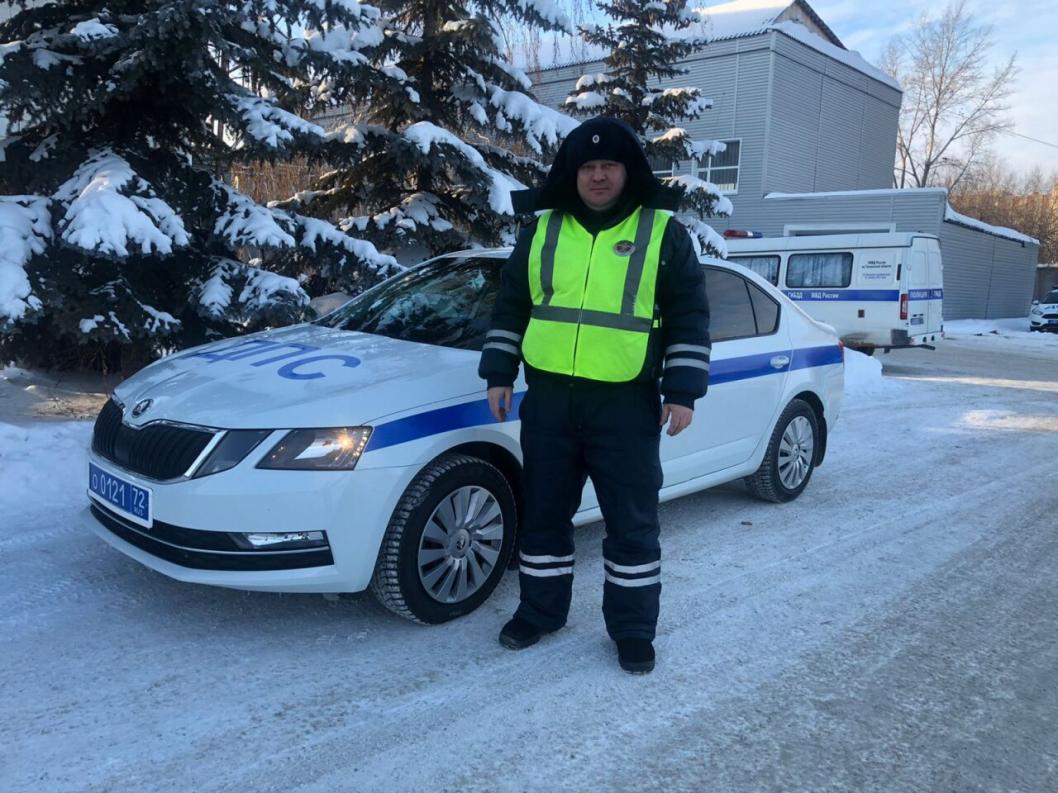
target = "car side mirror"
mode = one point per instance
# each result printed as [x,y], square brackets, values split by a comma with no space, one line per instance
[1035,302]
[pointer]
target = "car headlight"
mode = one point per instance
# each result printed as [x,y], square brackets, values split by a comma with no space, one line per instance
[330,449]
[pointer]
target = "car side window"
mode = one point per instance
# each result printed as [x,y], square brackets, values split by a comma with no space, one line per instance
[819,269]
[765,308]
[730,306]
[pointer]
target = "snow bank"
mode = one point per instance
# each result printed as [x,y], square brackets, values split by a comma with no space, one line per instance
[863,376]
[63,481]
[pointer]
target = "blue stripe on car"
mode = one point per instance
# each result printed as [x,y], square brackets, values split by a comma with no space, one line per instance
[476,412]
[803,295]
[861,295]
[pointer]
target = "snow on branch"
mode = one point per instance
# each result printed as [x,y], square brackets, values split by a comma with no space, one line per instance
[269,124]
[93,29]
[547,11]
[699,192]
[110,207]
[246,223]
[705,237]
[317,231]
[427,136]
[417,211]
[542,126]
[258,290]
[25,228]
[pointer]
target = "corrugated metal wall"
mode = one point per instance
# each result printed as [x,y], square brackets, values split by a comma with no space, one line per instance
[967,257]
[1012,280]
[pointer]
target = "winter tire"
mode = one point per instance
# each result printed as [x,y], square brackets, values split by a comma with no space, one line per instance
[448,542]
[791,456]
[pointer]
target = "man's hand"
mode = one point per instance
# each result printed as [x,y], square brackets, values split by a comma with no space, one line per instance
[500,399]
[678,416]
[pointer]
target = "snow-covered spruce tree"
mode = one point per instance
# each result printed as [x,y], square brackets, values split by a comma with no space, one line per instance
[428,161]
[118,234]
[646,40]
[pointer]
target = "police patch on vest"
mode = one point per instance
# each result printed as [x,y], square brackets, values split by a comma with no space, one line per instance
[624,248]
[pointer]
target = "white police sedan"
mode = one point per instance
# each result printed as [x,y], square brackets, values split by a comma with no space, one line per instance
[1044,313]
[357,451]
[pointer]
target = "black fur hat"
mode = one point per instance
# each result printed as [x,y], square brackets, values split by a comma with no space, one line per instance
[598,138]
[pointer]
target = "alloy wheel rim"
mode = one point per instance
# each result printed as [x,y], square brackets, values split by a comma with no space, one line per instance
[460,546]
[796,449]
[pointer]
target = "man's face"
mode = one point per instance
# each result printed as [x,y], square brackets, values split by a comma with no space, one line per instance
[600,182]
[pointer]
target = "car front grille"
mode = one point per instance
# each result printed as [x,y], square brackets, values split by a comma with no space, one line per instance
[1050,316]
[158,451]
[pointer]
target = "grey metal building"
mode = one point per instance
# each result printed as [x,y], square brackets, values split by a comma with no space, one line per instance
[809,127]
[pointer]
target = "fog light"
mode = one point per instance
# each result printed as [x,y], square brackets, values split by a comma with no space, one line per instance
[281,540]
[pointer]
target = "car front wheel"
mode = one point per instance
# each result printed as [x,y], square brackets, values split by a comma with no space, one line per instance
[791,456]
[448,542]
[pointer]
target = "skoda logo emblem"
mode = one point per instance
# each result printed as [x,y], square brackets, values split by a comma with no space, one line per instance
[624,248]
[141,407]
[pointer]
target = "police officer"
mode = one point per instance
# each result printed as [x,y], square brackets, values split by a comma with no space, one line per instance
[602,296]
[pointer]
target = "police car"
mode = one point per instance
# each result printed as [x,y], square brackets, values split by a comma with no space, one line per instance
[357,451]
[1044,313]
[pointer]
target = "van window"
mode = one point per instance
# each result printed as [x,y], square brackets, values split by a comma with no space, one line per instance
[764,266]
[731,313]
[819,269]
[765,309]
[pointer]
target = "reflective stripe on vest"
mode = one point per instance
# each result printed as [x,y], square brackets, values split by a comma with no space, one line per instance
[593,298]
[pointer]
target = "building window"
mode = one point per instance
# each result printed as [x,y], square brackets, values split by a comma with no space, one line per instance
[722,169]
[662,166]
[819,269]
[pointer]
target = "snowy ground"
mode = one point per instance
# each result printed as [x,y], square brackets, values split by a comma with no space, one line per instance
[894,629]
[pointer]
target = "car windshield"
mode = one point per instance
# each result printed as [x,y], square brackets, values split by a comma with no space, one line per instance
[446,302]
[1051,298]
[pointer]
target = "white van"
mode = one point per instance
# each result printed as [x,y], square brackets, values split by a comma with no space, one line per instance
[878,291]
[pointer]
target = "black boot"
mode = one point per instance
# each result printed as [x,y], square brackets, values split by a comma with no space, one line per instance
[636,655]
[519,634]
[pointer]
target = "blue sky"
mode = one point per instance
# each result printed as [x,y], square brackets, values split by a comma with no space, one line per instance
[1028,28]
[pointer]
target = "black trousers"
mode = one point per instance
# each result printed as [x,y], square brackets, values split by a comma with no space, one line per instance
[571,430]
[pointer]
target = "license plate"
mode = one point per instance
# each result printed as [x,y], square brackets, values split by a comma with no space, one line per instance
[127,499]
[1052,322]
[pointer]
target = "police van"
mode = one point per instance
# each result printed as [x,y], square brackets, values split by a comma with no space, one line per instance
[877,290]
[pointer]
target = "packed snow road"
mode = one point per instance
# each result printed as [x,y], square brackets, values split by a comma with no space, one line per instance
[894,629]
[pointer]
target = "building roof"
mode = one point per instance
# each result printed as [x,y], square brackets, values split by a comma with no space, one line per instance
[734,20]
[738,18]
[950,215]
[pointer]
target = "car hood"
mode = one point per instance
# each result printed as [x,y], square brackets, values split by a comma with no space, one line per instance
[301,376]
[1046,307]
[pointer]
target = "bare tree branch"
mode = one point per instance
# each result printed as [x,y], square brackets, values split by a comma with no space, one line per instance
[953,105]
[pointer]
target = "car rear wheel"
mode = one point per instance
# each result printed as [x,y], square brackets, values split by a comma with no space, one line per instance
[791,457]
[448,542]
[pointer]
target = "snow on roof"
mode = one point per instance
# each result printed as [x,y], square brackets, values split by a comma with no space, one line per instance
[952,216]
[741,17]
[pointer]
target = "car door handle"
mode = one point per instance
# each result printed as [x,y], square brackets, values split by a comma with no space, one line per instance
[780,361]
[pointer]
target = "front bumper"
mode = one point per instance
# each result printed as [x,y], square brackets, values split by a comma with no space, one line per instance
[193,519]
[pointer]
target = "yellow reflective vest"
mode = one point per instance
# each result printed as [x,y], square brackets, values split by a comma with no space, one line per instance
[593,297]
